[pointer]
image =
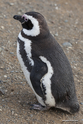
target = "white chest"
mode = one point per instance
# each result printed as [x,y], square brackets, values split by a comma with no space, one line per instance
[27,48]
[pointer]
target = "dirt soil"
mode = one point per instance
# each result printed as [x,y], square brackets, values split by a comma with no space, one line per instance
[65,20]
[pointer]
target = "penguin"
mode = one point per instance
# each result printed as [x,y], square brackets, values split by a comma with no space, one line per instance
[45,65]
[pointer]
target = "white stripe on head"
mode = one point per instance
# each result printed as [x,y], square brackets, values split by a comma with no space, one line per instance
[35,30]
[46,81]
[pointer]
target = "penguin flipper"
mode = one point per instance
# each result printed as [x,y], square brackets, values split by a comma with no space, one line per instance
[38,71]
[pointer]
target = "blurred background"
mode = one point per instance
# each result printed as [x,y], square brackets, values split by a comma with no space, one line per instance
[65,21]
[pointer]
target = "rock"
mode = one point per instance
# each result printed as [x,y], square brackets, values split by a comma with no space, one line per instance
[67,44]
[0,108]
[66,3]
[19,13]
[12,112]
[12,53]
[2,67]
[56,34]
[2,27]
[6,91]
[55,4]
[66,21]
[81,103]
[81,42]
[3,100]
[11,4]
[11,93]
[19,101]
[1,92]
[12,71]
[56,8]
[31,115]
[16,114]
[5,76]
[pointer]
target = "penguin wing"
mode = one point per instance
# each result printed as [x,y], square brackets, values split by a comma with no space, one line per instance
[38,71]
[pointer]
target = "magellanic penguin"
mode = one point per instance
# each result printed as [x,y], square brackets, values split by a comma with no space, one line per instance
[45,66]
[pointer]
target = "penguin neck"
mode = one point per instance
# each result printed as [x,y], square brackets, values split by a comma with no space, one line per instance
[38,37]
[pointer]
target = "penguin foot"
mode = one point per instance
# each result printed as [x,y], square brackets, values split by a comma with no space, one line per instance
[39,107]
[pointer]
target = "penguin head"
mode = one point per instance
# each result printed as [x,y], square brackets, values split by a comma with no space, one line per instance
[33,23]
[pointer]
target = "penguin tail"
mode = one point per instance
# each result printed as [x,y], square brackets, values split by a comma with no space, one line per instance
[69,106]
[74,108]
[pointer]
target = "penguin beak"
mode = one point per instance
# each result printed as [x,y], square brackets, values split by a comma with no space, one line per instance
[19,18]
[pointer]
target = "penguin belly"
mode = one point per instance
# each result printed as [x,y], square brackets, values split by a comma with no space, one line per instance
[23,64]
[46,82]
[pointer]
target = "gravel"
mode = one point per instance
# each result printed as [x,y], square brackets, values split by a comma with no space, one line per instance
[65,21]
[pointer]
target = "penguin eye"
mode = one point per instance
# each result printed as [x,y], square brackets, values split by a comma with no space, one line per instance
[26,20]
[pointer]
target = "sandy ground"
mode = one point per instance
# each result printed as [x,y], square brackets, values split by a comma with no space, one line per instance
[65,20]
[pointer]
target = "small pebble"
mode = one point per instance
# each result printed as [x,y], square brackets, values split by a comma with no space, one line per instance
[2,27]
[66,21]
[74,67]
[12,53]
[1,92]
[56,34]
[31,115]
[55,4]
[67,44]
[5,76]
[81,41]
[6,90]
[12,71]
[0,108]
[19,101]
[12,112]
[66,3]
[11,4]
[56,8]
[3,100]
[11,93]
[81,103]
[16,114]
[19,13]
[1,67]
